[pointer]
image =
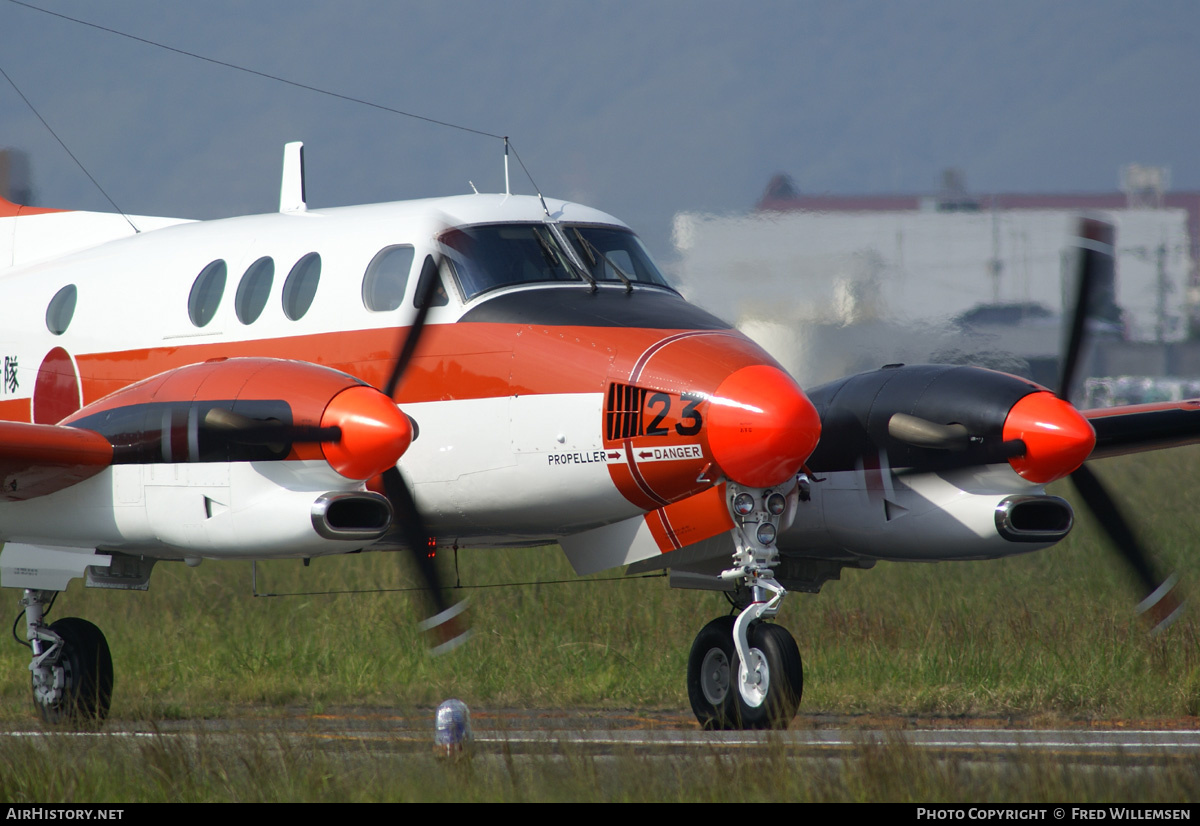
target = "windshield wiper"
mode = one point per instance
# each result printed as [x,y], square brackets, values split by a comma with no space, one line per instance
[564,260]
[590,248]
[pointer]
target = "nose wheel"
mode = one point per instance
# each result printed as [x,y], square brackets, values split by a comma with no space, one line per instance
[773,679]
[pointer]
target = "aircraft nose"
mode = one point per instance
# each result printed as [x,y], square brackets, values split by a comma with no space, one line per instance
[1057,437]
[375,433]
[761,426]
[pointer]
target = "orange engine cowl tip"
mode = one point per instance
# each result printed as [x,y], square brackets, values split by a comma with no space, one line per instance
[375,433]
[1057,437]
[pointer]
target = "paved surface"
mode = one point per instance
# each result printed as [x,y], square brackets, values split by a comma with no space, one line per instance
[608,732]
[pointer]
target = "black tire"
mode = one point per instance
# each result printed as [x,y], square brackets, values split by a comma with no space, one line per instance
[712,678]
[711,674]
[785,673]
[87,675]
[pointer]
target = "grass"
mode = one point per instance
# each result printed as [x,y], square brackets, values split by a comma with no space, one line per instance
[268,769]
[1048,637]
[1048,634]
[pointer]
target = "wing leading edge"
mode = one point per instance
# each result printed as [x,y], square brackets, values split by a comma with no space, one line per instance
[37,459]
[1143,427]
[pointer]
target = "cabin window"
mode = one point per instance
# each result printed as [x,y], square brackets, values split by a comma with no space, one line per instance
[207,290]
[386,278]
[610,252]
[254,289]
[61,310]
[300,288]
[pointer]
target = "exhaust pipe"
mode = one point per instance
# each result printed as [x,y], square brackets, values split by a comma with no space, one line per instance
[1034,518]
[359,515]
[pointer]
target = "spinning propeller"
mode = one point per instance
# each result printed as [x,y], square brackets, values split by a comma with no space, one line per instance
[1044,437]
[1161,604]
[362,434]
[443,622]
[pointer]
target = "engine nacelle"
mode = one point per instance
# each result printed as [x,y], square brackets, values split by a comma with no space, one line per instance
[251,409]
[975,513]
[232,457]
[258,511]
[933,417]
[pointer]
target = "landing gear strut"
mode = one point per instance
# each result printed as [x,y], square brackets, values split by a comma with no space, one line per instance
[743,672]
[72,667]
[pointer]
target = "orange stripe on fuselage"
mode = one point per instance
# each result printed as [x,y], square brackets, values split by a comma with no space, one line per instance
[466,360]
[479,360]
[15,410]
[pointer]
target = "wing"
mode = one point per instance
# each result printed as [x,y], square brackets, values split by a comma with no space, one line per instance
[1142,427]
[37,459]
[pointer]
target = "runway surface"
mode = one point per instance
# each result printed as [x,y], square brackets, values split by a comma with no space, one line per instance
[608,732]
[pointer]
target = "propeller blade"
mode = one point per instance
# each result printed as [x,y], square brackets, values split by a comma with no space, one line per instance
[443,621]
[1161,605]
[1095,259]
[427,287]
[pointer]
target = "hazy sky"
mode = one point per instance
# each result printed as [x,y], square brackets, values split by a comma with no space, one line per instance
[642,109]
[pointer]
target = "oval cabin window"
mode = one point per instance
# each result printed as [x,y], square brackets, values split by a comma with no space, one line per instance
[207,290]
[300,288]
[254,289]
[386,278]
[61,310]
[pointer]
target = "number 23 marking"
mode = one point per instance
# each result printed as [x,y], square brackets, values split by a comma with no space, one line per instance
[690,413]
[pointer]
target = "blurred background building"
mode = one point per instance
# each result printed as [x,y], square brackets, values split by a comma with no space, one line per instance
[833,284]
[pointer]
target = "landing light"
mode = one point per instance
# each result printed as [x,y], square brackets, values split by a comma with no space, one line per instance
[776,503]
[766,533]
[743,504]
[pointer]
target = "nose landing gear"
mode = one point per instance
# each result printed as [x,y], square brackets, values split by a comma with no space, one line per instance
[744,673]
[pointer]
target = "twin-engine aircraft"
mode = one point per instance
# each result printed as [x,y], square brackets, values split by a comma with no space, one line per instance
[482,371]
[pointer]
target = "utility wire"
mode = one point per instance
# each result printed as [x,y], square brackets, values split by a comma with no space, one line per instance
[266,75]
[258,593]
[33,109]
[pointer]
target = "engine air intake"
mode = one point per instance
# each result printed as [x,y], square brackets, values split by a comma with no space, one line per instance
[623,411]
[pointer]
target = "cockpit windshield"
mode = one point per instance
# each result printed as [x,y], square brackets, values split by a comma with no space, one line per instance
[489,256]
[499,255]
[613,254]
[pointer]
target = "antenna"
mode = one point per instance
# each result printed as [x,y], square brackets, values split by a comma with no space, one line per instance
[277,79]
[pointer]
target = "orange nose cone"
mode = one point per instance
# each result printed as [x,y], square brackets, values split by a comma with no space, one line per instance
[375,433]
[1057,438]
[761,426]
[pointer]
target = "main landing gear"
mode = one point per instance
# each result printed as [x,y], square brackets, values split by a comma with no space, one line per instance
[744,673]
[72,667]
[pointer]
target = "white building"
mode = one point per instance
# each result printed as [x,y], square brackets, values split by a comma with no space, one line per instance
[898,271]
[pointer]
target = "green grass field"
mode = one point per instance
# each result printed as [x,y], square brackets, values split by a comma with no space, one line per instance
[1050,633]
[1045,637]
[264,769]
